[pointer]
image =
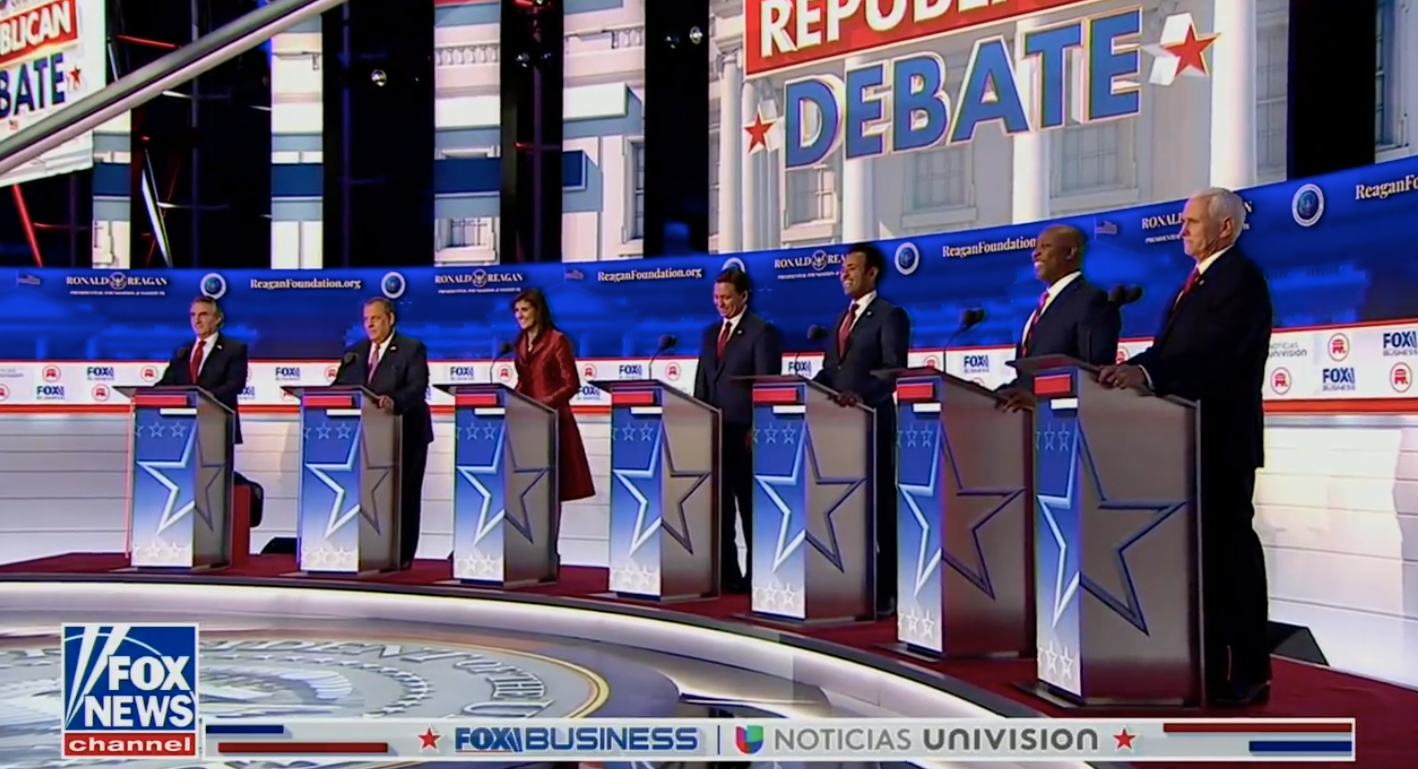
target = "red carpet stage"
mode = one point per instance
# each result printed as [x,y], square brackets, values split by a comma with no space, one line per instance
[1387,715]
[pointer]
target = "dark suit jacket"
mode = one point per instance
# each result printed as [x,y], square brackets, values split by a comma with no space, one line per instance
[402,374]
[754,349]
[879,340]
[223,374]
[1079,323]
[1212,349]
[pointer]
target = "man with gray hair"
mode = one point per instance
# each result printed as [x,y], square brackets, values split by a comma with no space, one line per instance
[1212,349]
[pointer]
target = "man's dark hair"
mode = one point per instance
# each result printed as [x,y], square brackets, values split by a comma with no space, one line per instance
[875,258]
[736,278]
[382,302]
[211,303]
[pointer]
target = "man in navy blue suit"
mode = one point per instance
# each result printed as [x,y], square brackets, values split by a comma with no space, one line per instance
[1212,349]
[215,362]
[1073,317]
[740,344]
[871,334]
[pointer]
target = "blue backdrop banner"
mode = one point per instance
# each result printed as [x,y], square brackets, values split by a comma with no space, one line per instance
[1337,249]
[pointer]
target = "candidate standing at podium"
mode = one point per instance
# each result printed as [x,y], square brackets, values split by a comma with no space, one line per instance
[214,362]
[395,368]
[740,344]
[1212,348]
[871,334]
[1073,316]
[546,373]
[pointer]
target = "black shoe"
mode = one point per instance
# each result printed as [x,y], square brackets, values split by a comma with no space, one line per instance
[886,609]
[406,565]
[735,587]
[1239,695]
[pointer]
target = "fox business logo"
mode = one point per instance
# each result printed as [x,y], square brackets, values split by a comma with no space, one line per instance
[800,367]
[580,740]
[288,373]
[1338,380]
[1400,344]
[462,373]
[977,364]
[130,691]
[99,373]
[631,370]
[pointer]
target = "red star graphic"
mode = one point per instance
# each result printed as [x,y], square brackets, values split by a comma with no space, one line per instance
[429,739]
[75,75]
[1124,739]
[758,132]
[1189,51]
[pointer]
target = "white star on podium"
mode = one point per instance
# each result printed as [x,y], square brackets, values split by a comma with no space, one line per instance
[173,512]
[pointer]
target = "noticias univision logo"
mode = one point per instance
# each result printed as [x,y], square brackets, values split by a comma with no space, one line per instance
[748,739]
[130,691]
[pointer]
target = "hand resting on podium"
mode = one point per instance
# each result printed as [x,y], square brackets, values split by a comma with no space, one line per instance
[846,399]
[1124,377]
[1015,399]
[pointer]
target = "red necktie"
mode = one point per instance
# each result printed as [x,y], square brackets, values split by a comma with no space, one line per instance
[373,361]
[723,341]
[845,330]
[1034,321]
[194,365]
[1192,280]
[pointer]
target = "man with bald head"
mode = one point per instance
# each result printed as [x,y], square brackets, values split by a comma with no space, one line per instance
[1212,348]
[1073,317]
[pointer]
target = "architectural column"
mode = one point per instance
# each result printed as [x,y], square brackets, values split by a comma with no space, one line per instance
[1233,94]
[731,122]
[751,177]
[856,190]
[1032,184]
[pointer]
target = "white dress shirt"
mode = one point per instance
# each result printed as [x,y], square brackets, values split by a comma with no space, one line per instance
[727,328]
[378,351]
[1051,293]
[206,344]
[861,306]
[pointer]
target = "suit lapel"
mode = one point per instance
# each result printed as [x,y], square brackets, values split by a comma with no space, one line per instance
[207,361]
[1179,303]
[735,337]
[380,364]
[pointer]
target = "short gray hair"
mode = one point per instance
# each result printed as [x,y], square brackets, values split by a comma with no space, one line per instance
[1223,205]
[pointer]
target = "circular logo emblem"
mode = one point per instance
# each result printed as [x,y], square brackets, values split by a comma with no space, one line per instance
[672,371]
[393,285]
[1280,381]
[1338,347]
[588,371]
[932,362]
[4,393]
[263,676]
[101,393]
[330,372]
[1123,355]
[504,372]
[51,374]
[150,374]
[1400,377]
[213,286]
[908,258]
[1308,205]
[734,263]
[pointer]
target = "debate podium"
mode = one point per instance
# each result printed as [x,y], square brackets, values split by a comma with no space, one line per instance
[964,584]
[814,534]
[180,512]
[664,496]
[1117,578]
[505,501]
[347,503]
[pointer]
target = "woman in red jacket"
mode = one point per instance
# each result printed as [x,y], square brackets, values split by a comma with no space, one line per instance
[547,373]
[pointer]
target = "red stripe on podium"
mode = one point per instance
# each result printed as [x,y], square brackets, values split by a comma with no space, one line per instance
[477,400]
[162,401]
[782,396]
[633,398]
[915,391]
[1054,385]
[329,402]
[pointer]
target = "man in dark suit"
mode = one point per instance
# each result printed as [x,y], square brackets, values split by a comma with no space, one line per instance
[1073,317]
[214,362]
[1212,349]
[872,334]
[395,367]
[740,344]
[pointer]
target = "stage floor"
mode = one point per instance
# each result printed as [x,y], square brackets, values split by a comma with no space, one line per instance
[291,644]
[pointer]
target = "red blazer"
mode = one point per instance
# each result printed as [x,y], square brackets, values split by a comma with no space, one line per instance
[547,373]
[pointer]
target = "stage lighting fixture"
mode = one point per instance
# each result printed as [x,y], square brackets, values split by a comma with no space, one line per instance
[379,77]
[696,35]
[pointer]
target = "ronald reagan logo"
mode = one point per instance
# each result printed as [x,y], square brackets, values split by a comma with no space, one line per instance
[1400,377]
[1280,381]
[130,691]
[1338,348]
[818,264]
[478,282]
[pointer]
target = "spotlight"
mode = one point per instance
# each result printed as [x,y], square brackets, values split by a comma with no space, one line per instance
[524,59]
[671,41]
[696,35]
[379,77]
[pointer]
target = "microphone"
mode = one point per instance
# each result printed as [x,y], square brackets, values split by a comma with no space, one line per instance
[1118,297]
[349,358]
[502,352]
[970,317]
[667,343]
[814,334]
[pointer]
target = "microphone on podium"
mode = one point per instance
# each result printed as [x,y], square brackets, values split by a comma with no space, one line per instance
[970,317]
[349,358]
[1118,297]
[667,343]
[814,334]
[502,352]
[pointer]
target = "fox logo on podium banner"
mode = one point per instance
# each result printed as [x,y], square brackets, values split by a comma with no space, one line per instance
[130,691]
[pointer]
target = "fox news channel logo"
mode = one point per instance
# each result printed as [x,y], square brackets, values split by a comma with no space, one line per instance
[599,741]
[130,691]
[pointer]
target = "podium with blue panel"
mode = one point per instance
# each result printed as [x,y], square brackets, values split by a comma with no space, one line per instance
[963,530]
[664,492]
[814,535]
[1117,577]
[179,479]
[347,504]
[505,500]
